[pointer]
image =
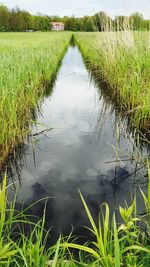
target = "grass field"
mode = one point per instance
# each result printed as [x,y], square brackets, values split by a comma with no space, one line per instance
[28,61]
[122,59]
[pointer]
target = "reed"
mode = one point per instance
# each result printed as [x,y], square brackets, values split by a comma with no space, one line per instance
[28,62]
[122,59]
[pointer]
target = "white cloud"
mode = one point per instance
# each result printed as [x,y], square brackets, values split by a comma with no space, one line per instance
[82,7]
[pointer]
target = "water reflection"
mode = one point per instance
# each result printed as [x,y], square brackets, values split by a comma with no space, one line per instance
[141,131]
[75,153]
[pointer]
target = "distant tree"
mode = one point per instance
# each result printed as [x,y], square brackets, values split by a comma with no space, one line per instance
[71,23]
[20,20]
[87,24]
[68,21]
[44,23]
[121,23]
[56,18]
[4,18]
[15,23]
[136,21]
[26,20]
[146,24]
[41,23]
[102,21]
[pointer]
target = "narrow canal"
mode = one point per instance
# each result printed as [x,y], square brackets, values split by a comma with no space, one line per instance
[82,150]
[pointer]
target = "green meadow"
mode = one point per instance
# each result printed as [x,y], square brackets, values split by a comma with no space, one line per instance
[28,62]
[122,60]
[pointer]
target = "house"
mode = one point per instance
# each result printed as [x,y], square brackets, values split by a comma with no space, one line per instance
[58,26]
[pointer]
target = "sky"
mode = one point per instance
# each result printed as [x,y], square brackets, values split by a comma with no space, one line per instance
[82,7]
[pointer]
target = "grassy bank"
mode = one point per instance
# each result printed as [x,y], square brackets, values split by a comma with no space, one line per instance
[122,59]
[114,244]
[28,61]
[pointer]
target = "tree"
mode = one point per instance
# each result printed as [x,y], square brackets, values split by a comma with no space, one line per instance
[14,20]
[41,23]
[20,20]
[121,23]
[71,23]
[136,21]
[4,18]
[102,21]
[26,20]
[146,25]
[87,24]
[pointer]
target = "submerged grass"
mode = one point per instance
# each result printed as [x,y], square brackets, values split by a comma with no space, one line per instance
[122,59]
[28,61]
[114,245]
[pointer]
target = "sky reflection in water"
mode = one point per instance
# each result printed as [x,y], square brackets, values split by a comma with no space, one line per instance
[74,154]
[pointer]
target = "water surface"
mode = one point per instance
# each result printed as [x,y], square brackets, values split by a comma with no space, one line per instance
[77,152]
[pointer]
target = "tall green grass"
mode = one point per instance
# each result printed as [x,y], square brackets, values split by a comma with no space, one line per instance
[122,59]
[115,245]
[28,62]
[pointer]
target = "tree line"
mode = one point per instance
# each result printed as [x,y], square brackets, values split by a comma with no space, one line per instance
[20,20]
